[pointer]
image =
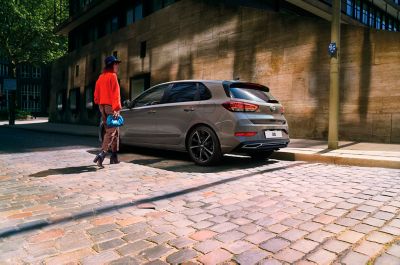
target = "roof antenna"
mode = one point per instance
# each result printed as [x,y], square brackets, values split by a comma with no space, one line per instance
[236,78]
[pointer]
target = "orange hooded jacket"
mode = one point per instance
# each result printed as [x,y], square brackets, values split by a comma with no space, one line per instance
[107,91]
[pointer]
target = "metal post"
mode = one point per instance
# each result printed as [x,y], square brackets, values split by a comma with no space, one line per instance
[333,138]
[11,114]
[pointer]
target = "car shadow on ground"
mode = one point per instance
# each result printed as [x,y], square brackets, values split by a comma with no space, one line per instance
[181,162]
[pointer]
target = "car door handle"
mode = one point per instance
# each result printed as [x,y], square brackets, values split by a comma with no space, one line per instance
[151,112]
[189,109]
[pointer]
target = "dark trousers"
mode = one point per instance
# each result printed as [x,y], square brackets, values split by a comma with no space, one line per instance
[111,137]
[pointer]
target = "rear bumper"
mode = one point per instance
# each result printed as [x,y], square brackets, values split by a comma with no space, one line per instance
[262,145]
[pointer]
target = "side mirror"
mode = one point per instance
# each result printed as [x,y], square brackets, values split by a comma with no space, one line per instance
[129,103]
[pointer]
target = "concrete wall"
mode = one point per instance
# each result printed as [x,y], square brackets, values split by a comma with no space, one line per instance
[197,40]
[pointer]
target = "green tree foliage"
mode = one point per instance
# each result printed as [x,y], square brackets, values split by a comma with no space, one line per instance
[27,32]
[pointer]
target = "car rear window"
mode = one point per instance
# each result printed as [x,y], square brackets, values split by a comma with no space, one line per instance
[251,93]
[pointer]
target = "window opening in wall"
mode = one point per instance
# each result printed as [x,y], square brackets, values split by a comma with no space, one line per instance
[89,97]
[138,84]
[3,70]
[36,72]
[108,27]
[74,99]
[138,11]
[95,33]
[378,20]
[94,65]
[114,24]
[60,100]
[31,97]
[372,19]
[390,24]
[77,70]
[349,8]
[383,23]
[358,10]
[365,14]
[25,73]
[3,99]
[143,48]
[129,16]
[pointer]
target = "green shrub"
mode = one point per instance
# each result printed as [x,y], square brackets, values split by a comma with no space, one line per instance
[19,114]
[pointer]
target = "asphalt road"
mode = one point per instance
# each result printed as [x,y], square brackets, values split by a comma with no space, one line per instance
[14,140]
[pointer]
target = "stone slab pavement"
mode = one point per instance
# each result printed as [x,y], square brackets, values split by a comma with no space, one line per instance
[349,153]
[56,207]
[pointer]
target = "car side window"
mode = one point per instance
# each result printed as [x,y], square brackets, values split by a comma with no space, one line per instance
[181,92]
[151,97]
[204,93]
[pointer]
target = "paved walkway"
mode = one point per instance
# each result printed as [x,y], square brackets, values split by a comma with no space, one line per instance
[57,208]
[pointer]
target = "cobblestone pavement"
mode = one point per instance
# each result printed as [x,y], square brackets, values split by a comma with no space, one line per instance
[57,208]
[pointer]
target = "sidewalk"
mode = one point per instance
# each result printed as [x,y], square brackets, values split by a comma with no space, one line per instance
[349,153]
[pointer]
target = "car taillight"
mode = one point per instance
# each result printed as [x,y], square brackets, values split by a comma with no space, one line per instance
[282,109]
[237,106]
[246,134]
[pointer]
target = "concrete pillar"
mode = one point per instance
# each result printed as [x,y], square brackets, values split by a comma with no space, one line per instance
[333,138]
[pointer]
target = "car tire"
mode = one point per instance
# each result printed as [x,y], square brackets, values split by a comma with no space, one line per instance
[203,146]
[261,156]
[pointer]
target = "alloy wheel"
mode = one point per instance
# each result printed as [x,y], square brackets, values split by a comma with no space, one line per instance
[202,146]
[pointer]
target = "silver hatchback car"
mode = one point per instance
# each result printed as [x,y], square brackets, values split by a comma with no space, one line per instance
[206,118]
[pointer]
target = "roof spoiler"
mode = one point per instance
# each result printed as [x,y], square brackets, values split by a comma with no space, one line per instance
[238,84]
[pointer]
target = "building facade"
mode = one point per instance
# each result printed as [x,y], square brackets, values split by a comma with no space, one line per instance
[281,44]
[32,94]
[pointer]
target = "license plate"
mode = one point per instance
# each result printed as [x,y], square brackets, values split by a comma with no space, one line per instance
[273,134]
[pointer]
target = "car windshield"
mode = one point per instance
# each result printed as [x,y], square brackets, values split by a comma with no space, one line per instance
[252,94]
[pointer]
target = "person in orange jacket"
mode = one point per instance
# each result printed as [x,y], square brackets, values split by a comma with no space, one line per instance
[107,96]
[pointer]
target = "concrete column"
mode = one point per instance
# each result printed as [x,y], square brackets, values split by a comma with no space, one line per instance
[333,138]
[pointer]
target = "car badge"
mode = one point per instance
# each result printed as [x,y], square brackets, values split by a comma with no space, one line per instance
[272,108]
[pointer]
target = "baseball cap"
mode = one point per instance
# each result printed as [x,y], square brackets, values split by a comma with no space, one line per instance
[111,59]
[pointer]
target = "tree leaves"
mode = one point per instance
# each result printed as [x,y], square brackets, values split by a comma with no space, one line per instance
[27,32]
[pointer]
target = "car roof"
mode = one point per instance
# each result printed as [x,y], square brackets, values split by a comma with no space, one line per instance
[194,80]
[228,82]
[225,83]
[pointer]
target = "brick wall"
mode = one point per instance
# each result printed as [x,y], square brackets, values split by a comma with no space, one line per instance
[198,40]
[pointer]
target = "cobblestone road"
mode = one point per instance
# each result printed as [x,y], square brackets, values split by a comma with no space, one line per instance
[57,208]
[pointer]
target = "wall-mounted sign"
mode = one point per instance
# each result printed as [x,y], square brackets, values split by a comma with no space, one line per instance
[10,84]
[332,49]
